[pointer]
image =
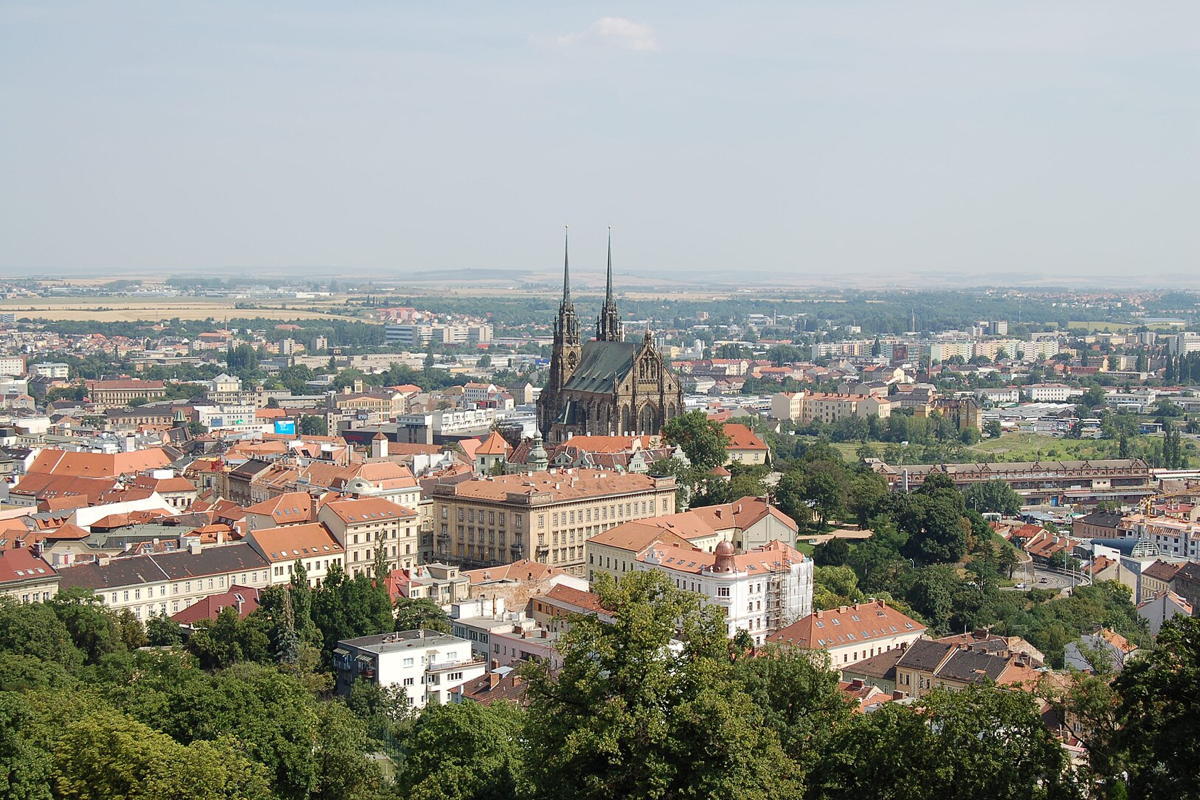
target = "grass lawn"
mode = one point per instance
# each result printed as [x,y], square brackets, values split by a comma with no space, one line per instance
[1034,447]
[1103,327]
[1013,447]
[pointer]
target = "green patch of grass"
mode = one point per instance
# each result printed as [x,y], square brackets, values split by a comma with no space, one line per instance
[1103,327]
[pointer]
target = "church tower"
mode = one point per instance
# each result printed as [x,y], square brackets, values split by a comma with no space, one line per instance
[567,348]
[608,326]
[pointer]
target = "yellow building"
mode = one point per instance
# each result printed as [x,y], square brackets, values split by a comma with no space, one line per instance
[543,516]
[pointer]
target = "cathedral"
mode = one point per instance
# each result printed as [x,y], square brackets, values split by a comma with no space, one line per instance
[606,386]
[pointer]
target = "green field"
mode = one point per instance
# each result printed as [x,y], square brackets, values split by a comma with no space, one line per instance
[1014,447]
[1102,327]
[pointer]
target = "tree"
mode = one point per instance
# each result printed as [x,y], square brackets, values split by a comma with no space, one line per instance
[24,767]
[162,632]
[313,425]
[832,553]
[994,496]
[420,613]
[106,755]
[936,528]
[799,697]
[465,751]
[992,428]
[702,440]
[629,716]
[979,742]
[1156,714]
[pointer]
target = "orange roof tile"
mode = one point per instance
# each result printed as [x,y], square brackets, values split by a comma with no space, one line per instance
[296,541]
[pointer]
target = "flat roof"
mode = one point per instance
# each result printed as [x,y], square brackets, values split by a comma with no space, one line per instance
[401,640]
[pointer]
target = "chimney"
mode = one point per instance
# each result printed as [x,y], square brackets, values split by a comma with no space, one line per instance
[493,680]
[314,507]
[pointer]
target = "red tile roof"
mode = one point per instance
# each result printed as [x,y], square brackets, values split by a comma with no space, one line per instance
[834,627]
[19,564]
[742,438]
[243,598]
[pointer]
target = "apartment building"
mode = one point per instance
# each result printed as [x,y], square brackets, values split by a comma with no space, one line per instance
[50,369]
[761,591]
[851,633]
[165,583]
[546,516]
[365,524]
[745,446]
[806,407]
[117,393]
[1173,536]
[1051,392]
[12,365]
[25,577]
[311,544]
[427,665]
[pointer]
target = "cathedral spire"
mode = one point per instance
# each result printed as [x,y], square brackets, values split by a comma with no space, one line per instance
[608,326]
[566,298]
[566,327]
[608,298]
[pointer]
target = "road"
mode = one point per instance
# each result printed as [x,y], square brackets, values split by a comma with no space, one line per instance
[1033,577]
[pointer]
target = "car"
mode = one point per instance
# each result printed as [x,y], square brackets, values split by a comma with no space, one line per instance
[1021,586]
[1042,580]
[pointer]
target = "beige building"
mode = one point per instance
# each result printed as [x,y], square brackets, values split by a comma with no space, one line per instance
[363,525]
[851,633]
[165,583]
[543,516]
[806,407]
[26,578]
[117,393]
[311,544]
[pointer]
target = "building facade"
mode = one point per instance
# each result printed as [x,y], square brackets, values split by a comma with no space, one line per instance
[543,516]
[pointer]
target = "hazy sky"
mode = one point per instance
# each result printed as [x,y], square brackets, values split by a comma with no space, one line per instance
[805,137]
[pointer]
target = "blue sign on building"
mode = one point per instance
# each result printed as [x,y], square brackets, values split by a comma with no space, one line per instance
[285,426]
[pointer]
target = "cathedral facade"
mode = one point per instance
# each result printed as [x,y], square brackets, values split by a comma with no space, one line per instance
[605,386]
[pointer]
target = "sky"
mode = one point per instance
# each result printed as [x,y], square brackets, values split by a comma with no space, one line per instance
[981,140]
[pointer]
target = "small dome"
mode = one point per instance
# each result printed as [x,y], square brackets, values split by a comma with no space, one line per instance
[723,563]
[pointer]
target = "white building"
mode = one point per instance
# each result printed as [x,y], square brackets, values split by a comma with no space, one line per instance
[50,369]
[426,664]
[1004,394]
[230,418]
[1052,392]
[1182,343]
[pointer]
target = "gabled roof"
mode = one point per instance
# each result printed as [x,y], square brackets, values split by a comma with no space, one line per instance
[369,509]
[603,365]
[493,445]
[244,599]
[99,465]
[575,599]
[295,541]
[637,536]
[178,565]
[19,565]
[847,625]
[1162,571]
[286,508]
[742,438]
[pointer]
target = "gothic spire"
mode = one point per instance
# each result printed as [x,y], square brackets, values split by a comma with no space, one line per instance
[608,298]
[608,326]
[566,298]
[566,327]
